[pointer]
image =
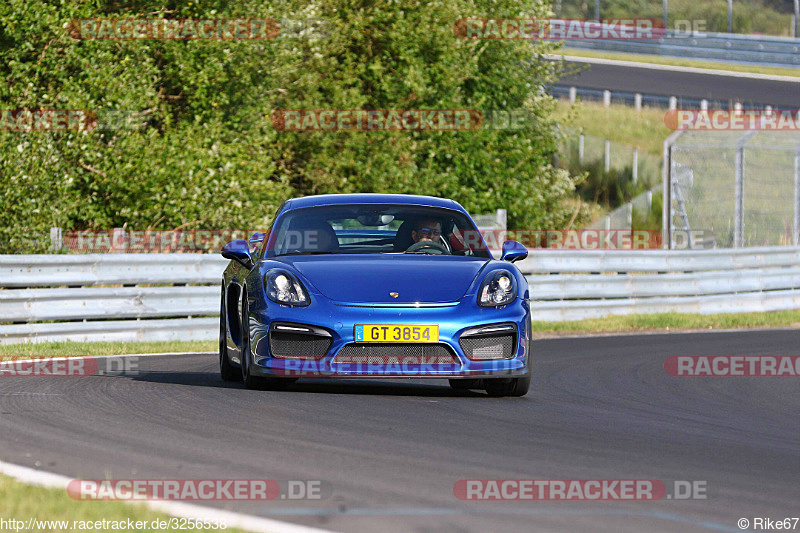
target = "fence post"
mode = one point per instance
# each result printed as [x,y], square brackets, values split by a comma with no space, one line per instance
[796,18]
[673,103]
[56,239]
[573,95]
[730,16]
[501,219]
[629,215]
[607,156]
[796,225]
[606,98]
[738,210]
[637,101]
[704,104]
[580,149]
[635,170]
[649,197]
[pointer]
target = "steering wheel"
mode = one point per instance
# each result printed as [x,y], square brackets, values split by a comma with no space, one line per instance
[428,247]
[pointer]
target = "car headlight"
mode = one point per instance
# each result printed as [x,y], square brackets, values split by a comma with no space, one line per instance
[282,287]
[499,288]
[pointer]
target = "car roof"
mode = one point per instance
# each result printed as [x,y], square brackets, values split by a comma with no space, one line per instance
[371,198]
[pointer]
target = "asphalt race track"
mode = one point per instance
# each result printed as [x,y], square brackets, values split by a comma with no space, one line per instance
[599,408]
[648,80]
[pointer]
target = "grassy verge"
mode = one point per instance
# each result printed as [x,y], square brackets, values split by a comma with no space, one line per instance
[618,123]
[64,349]
[22,502]
[672,322]
[680,62]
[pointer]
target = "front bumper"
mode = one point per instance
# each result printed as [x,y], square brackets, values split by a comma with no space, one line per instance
[339,322]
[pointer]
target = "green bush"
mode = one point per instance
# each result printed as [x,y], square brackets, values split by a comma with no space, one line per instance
[205,154]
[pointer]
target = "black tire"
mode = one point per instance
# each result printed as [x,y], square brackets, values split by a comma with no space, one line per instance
[250,381]
[465,384]
[227,371]
[507,387]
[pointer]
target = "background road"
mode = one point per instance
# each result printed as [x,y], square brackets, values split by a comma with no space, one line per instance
[650,80]
[598,408]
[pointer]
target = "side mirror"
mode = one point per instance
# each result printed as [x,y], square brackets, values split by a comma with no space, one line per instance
[513,251]
[238,250]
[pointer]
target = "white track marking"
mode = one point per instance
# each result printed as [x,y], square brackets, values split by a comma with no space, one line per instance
[40,478]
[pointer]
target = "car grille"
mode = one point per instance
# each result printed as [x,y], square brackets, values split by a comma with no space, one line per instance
[491,347]
[292,345]
[377,352]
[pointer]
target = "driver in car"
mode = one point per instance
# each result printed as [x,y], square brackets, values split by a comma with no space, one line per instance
[426,236]
[426,230]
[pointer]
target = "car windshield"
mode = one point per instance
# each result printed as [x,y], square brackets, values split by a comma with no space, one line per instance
[375,229]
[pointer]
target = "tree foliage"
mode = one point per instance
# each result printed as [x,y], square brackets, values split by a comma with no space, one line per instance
[205,154]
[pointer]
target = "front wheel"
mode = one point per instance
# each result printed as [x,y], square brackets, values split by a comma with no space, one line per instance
[507,387]
[227,371]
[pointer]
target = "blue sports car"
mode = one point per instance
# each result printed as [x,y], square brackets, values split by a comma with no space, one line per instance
[376,286]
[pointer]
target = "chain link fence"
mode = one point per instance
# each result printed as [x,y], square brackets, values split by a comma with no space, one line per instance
[735,188]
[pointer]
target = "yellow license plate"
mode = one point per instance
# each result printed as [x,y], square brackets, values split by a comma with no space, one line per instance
[396,333]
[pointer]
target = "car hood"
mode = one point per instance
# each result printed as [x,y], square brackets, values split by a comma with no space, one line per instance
[369,279]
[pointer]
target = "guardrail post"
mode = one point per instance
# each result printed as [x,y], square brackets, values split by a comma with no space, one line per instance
[580,149]
[637,101]
[573,95]
[606,98]
[607,156]
[635,168]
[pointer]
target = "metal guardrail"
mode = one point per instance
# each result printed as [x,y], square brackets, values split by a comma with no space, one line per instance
[578,284]
[104,288]
[161,293]
[756,49]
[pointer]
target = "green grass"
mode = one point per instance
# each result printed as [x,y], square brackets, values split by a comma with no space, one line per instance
[618,123]
[680,62]
[68,348]
[19,501]
[672,322]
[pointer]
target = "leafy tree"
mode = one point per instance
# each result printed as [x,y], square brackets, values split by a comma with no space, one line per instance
[203,152]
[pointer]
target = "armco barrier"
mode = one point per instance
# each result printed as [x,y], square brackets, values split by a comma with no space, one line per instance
[109,297]
[578,284]
[130,297]
[756,49]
